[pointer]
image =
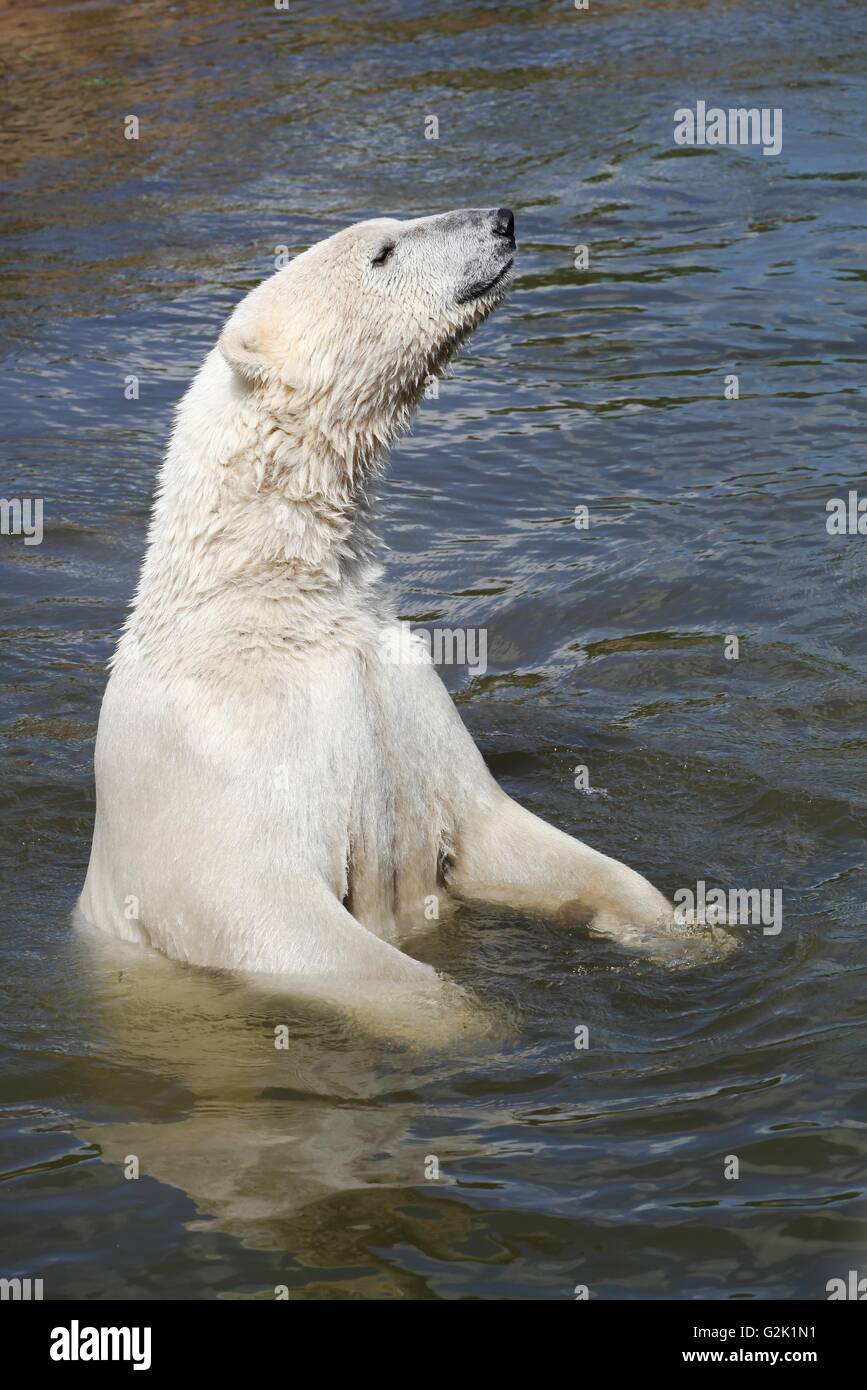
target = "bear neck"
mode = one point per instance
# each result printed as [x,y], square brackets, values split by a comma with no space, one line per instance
[261,529]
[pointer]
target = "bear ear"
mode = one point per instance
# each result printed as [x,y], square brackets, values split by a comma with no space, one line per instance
[240,345]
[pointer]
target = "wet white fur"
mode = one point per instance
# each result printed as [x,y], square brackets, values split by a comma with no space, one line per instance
[272,794]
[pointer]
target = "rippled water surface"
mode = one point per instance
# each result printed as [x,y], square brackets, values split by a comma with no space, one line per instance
[605,387]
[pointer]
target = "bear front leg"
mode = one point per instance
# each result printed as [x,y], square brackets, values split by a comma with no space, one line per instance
[503,854]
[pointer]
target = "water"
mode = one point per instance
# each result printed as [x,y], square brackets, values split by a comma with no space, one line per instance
[306,1166]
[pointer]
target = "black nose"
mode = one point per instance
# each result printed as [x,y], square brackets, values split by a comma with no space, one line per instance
[504,222]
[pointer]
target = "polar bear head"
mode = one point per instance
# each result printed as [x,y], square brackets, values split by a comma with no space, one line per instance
[353,328]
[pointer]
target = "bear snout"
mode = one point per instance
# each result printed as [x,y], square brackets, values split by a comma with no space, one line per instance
[504,224]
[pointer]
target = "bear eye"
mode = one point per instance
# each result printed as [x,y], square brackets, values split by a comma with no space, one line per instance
[383,254]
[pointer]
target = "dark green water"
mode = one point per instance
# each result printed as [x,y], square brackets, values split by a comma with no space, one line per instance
[306,1166]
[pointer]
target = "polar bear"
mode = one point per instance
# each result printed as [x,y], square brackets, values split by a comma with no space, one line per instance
[275,793]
